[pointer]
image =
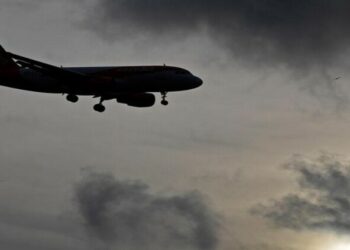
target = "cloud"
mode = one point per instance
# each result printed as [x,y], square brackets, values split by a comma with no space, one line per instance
[299,34]
[125,215]
[24,4]
[324,201]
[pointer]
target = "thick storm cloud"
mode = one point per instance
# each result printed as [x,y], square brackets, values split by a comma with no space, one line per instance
[324,201]
[292,33]
[125,215]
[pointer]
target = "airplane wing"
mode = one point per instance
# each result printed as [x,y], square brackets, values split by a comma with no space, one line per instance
[48,69]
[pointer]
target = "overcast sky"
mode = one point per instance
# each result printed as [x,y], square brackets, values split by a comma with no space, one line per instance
[255,159]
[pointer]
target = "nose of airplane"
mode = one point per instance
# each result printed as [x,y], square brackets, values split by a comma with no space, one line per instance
[197,82]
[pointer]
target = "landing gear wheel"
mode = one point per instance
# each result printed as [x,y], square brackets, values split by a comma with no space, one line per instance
[164,101]
[99,108]
[72,98]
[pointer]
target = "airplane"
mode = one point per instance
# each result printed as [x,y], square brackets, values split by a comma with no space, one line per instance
[131,85]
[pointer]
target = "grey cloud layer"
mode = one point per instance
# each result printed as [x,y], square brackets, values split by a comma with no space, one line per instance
[294,33]
[126,216]
[325,199]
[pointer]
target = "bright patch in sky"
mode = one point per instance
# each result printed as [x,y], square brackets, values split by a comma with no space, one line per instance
[340,246]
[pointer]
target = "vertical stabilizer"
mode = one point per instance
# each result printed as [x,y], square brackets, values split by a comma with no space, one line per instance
[6,61]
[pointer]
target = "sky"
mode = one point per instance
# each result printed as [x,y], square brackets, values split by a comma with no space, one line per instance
[255,159]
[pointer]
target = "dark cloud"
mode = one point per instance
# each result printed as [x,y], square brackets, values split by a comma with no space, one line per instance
[125,215]
[299,34]
[323,204]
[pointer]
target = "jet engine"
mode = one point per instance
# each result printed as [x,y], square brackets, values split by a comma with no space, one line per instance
[142,100]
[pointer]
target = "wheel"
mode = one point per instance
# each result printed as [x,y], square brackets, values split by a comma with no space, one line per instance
[99,108]
[164,102]
[72,98]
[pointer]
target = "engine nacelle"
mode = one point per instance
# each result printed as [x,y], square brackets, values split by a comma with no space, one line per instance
[142,100]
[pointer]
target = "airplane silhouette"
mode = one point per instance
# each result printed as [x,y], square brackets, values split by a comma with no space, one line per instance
[131,85]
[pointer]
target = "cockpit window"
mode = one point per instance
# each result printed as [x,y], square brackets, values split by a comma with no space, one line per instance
[181,72]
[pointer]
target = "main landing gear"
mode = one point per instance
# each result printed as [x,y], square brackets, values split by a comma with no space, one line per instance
[99,107]
[164,101]
[72,98]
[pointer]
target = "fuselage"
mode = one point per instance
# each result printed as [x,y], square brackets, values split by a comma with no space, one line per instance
[106,80]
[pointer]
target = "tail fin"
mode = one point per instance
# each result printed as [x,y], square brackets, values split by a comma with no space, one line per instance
[6,61]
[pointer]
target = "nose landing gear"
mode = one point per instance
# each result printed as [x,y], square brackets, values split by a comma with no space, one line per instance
[164,102]
[164,96]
